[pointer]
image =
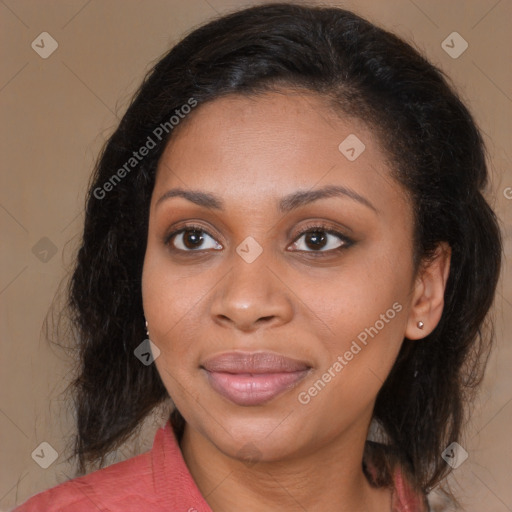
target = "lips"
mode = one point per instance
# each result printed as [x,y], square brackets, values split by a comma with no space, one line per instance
[250,379]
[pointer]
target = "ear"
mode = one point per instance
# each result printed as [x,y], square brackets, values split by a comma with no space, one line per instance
[428,293]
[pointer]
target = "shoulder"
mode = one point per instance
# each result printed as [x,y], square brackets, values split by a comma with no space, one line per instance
[157,480]
[123,487]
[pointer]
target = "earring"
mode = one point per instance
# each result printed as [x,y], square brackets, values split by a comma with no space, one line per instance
[420,325]
[147,332]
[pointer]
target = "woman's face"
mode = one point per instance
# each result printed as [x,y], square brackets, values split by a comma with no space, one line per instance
[269,338]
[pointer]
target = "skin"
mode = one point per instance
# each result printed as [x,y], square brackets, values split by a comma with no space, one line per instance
[251,152]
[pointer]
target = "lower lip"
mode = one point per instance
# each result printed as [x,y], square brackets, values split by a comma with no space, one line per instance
[253,388]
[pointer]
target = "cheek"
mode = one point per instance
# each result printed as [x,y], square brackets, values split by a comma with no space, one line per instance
[355,296]
[356,365]
[170,303]
[365,307]
[168,291]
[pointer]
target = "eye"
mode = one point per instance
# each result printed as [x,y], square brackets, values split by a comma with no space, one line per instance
[320,239]
[312,239]
[192,238]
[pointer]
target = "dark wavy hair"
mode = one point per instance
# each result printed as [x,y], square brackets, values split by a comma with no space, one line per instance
[437,155]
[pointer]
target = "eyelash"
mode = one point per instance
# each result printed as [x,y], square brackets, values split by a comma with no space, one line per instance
[324,228]
[347,242]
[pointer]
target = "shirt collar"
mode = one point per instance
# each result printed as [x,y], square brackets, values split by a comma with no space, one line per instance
[173,482]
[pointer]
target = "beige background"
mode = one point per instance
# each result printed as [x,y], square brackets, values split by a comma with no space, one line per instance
[57,112]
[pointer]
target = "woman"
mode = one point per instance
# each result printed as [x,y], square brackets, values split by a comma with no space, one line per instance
[291,210]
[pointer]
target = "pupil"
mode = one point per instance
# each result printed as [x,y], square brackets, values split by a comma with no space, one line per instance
[194,237]
[317,238]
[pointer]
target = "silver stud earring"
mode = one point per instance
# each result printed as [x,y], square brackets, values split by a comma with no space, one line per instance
[420,325]
[147,332]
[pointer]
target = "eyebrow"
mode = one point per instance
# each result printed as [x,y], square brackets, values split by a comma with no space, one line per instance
[286,204]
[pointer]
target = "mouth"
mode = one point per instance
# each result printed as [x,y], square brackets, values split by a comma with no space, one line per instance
[249,379]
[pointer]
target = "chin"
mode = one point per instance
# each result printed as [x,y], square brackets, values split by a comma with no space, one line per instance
[250,437]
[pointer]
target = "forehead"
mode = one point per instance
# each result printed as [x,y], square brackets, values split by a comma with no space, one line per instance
[259,148]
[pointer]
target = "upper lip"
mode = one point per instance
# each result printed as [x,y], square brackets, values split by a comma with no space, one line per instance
[255,362]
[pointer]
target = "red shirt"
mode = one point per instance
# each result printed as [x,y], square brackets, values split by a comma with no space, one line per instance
[156,481]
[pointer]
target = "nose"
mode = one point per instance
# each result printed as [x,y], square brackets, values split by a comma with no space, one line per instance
[250,296]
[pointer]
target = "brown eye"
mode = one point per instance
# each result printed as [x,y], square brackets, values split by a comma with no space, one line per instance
[321,240]
[192,239]
[315,240]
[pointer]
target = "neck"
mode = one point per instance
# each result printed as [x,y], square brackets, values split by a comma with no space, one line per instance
[331,479]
